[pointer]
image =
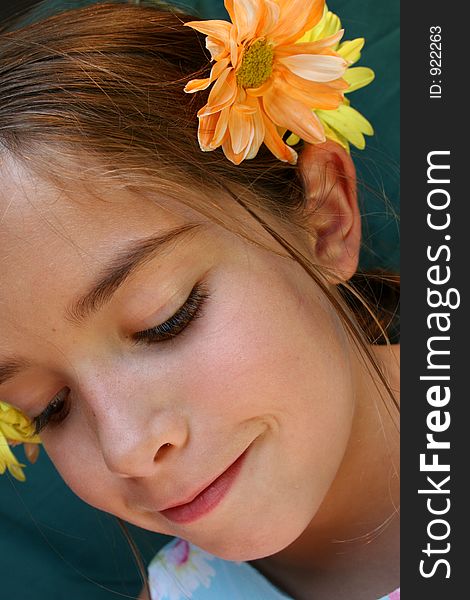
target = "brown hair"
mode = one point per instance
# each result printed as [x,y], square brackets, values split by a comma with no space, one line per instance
[103,86]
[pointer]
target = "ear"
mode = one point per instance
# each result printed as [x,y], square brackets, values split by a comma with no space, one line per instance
[329,178]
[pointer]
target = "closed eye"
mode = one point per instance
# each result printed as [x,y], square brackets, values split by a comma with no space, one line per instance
[189,312]
[57,410]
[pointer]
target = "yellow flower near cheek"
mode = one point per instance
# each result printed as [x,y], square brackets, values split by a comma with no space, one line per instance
[15,429]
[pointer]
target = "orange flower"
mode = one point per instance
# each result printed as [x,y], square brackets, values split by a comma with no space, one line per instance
[264,82]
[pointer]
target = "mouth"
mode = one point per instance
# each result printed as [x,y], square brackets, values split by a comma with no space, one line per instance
[206,500]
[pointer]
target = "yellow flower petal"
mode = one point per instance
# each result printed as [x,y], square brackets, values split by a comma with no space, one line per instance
[351,50]
[328,25]
[348,122]
[9,461]
[17,472]
[293,139]
[15,425]
[358,77]
[331,134]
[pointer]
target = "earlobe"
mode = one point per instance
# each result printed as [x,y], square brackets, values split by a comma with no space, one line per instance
[329,179]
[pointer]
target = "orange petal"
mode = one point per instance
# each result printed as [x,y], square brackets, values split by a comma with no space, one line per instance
[220,30]
[217,49]
[315,67]
[316,13]
[241,130]
[247,14]
[235,50]
[245,109]
[231,155]
[259,133]
[274,142]
[229,8]
[221,130]
[196,85]
[296,19]
[307,47]
[282,72]
[269,19]
[32,452]
[312,94]
[297,117]
[261,90]
[222,94]
[250,108]
[206,131]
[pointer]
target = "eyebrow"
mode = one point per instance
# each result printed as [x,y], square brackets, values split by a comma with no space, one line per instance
[127,261]
[11,368]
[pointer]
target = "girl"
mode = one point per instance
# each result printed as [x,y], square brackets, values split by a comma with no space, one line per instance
[176,242]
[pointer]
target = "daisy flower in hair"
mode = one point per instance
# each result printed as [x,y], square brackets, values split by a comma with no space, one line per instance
[264,81]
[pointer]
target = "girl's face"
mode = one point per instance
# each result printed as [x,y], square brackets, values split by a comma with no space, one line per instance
[264,368]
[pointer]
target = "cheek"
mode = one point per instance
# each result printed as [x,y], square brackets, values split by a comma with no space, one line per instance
[271,354]
[275,359]
[78,463]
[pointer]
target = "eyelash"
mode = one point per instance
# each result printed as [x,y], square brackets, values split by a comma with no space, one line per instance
[57,410]
[174,326]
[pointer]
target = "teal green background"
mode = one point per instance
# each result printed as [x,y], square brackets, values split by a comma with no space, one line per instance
[55,547]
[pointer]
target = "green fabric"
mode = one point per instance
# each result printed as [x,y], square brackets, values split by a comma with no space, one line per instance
[52,545]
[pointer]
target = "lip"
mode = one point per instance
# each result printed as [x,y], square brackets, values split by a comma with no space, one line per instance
[206,500]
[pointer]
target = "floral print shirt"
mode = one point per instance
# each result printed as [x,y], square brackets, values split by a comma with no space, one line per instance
[181,571]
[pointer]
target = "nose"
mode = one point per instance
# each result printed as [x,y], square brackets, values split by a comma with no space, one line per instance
[135,446]
[137,438]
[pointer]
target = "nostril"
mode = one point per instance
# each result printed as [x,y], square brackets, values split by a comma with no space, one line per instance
[162,451]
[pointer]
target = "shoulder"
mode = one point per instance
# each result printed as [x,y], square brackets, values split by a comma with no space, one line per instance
[182,570]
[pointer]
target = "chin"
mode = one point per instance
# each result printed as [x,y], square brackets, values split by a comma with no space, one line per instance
[246,546]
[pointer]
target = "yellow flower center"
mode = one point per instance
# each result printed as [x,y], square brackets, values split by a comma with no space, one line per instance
[257,65]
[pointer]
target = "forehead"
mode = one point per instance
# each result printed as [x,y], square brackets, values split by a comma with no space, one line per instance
[52,242]
[34,212]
